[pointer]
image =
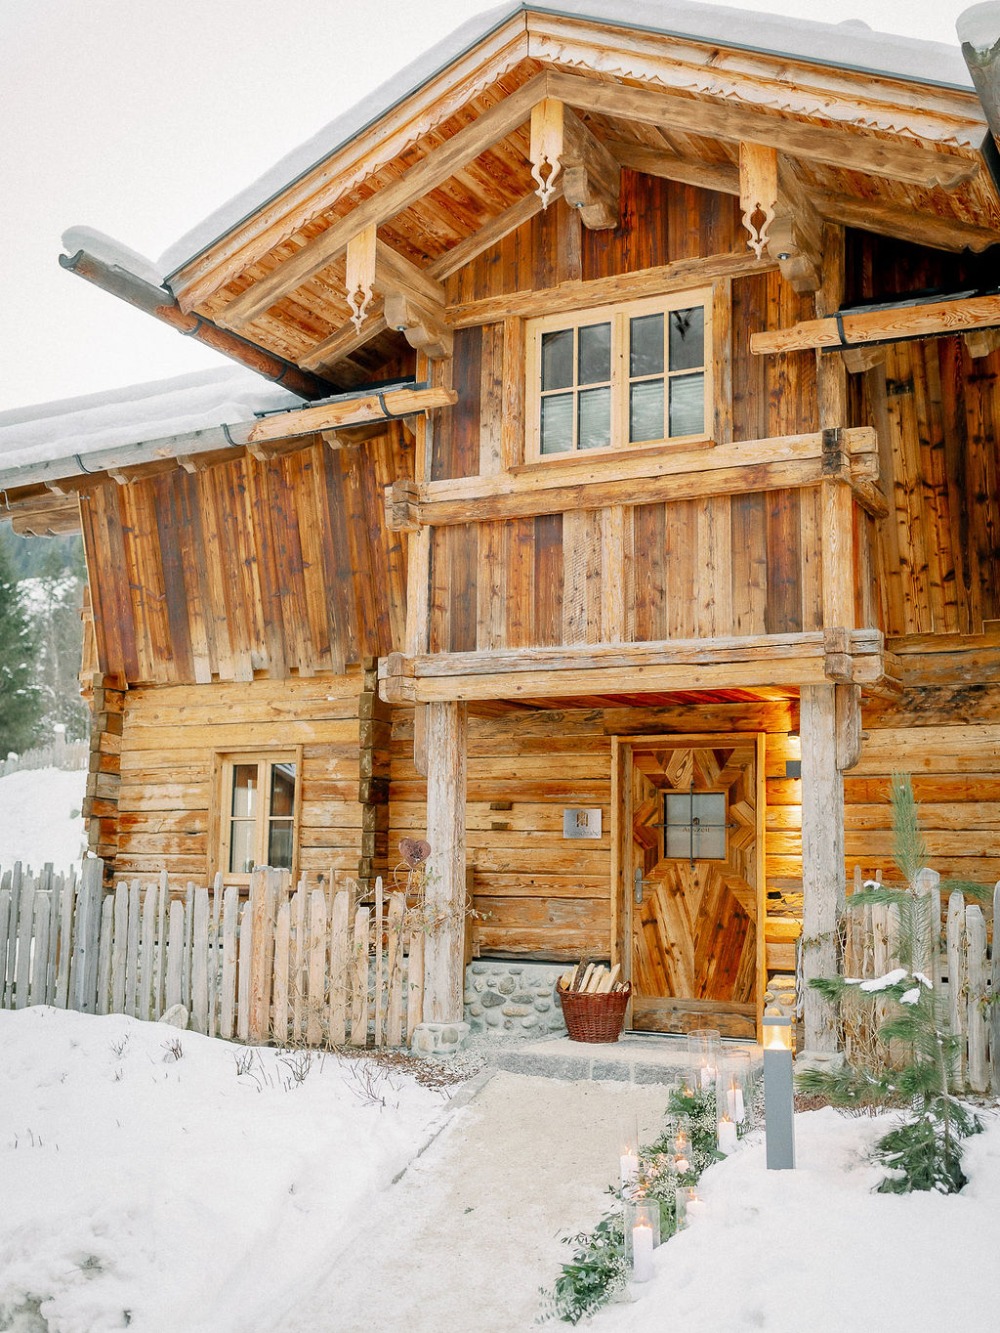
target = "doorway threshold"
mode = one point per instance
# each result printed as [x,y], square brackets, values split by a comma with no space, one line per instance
[637,1058]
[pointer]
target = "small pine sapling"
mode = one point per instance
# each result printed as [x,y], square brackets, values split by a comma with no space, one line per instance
[924,1151]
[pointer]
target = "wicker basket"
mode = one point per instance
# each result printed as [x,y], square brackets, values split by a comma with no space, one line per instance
[595,1017]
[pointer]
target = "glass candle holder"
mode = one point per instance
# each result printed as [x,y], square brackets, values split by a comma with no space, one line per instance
[733,1090]
[682,1150]
[703,1056]
[642,1235]
[687,1205]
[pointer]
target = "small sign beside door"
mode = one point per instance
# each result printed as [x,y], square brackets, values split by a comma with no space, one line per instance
[582,823]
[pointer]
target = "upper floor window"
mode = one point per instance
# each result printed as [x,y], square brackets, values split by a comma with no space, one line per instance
[258,813]
[619,375]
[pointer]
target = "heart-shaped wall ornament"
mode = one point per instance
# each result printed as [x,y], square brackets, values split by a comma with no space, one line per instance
[414,851]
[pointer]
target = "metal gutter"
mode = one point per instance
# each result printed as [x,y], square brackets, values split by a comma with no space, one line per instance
[160,303]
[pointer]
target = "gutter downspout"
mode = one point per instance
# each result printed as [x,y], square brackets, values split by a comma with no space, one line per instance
[161,304]
[978,31]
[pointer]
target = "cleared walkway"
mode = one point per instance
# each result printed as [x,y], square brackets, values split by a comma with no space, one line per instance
[463,1241]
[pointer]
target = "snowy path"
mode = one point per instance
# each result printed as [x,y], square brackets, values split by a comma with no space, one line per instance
[464,1240]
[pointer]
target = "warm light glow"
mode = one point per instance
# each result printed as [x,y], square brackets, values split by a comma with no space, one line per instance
[777,1034]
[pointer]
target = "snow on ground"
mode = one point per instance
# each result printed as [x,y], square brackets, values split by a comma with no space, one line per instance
[180,1195]
[40,818]
[198,1198]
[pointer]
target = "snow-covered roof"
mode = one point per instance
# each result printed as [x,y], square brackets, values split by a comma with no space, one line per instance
[118,417]
[851,45]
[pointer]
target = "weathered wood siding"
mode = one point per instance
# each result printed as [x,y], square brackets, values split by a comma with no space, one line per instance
[283,567]
[537,892]
[170,738]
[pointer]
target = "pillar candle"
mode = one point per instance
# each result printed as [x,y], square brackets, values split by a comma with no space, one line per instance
[642,1252]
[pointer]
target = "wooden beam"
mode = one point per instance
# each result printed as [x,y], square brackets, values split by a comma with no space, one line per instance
[591,175]
[746,465]
[44,516]
[353,411]
[823,883]
[445,890]
[856,657]
[573,295]
[796,234]
[722,177]
[851,149]
[424,176]
[422,326]
[926,319]
[905,224]
[981,342]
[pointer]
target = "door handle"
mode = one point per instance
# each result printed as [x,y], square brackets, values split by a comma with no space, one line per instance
[637,891]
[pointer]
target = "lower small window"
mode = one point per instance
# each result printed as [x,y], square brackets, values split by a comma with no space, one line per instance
[258,813]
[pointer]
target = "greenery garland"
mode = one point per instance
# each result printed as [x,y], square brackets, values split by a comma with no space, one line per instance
[598,1270]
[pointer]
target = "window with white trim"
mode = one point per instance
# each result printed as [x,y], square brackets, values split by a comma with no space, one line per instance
[615,376]
[258,812]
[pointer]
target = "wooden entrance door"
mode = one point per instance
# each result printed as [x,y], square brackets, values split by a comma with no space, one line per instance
[693,913]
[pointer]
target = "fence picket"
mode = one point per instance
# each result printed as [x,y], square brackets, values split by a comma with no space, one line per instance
[88,934]
[16,879]
[39,954]
[66,905]
[175,955]
[188,931]
[377,959]
[261,918]
[230,945]
[394,970]
[975,931]
[215,960]
[359,999]
[243,975]
[415,983]
[55,898]
[995,992]
[144,999]
[317,967]
[104,962]
[199,963]
[26,909]
[118,949]
[339,963]
[132,949]
[956,956]
[282,948]
[159,963]
[4,928]
[298,969]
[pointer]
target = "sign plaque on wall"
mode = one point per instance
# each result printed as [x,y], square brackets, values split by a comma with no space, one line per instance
[582,823]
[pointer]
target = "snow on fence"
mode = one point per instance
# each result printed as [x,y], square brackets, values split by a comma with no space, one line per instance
[958,961]
[59,753]
[301,967]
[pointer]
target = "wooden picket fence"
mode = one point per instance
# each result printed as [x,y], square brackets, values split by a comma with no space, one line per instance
[958,961]
[292,966]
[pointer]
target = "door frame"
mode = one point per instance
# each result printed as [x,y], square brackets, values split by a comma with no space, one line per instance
[622,748]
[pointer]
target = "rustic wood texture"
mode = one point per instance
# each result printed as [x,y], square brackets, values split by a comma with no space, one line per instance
[282,567]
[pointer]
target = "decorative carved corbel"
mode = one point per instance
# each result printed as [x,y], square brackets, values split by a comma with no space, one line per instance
[758,192]
[546,147]
[591,176]
[424,329]
[360,276]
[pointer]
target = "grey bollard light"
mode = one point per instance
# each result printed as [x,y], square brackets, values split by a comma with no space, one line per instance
[779,1093]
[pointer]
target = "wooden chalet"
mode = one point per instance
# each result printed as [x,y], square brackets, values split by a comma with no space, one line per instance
[633,514]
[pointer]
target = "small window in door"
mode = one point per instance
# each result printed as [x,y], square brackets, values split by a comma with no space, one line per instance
[694,826]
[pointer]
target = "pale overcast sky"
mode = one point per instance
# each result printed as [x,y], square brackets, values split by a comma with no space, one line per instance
[139,117]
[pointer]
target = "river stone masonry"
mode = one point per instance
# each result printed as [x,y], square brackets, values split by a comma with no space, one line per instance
[513,999]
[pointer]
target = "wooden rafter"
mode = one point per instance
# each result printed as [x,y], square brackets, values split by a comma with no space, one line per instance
[864,327]
[417,181]
[840,147]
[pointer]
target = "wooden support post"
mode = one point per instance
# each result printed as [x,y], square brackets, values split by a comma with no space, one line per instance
[445,897]
[823,887]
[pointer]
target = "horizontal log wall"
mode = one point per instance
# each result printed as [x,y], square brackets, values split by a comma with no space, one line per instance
[537,892]
[282,566]
[171,735]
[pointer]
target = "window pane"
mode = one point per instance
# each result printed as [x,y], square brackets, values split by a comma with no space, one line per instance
[557,359]
[687,338]
[595,419]
[244,791]
[283,789]
[557,423]
[645,412]
[687,405]
[710,832]
[279,844]
[241,846]
[594,354]
[646,346]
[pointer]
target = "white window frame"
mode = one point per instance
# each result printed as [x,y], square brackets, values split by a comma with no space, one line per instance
[619,316]
[266,759]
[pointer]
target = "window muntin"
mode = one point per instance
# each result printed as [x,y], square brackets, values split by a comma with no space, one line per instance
[614,377]
[259,804]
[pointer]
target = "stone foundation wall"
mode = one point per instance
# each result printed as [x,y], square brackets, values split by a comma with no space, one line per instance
[513,999]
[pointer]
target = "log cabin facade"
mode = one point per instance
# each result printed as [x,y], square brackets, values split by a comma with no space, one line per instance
[635,518]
